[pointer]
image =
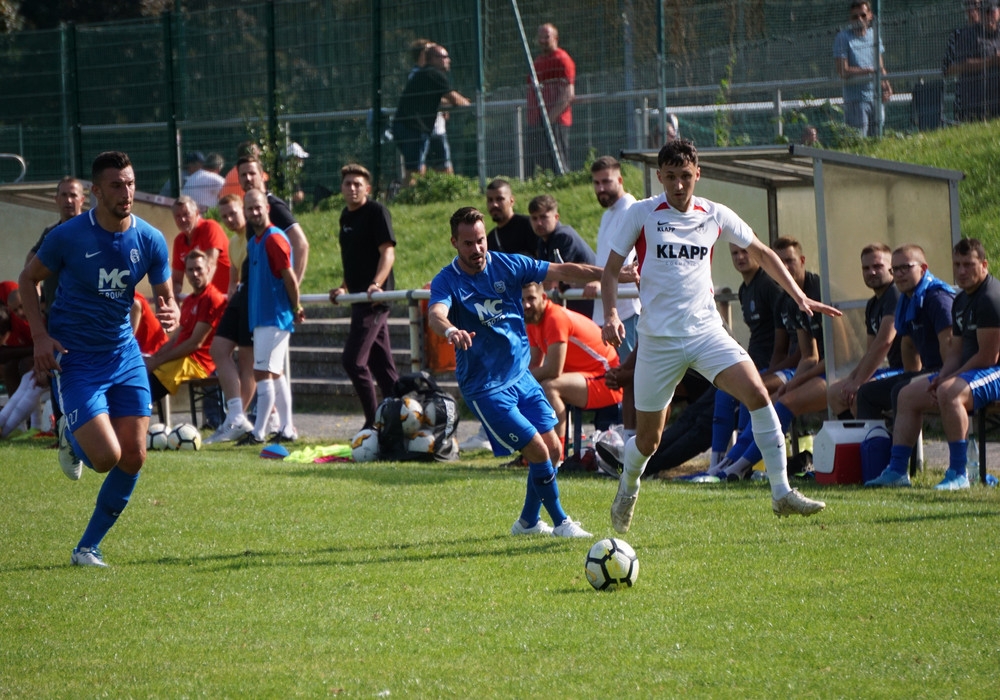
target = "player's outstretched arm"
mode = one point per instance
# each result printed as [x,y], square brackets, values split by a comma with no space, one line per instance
[773,266]
[438,321]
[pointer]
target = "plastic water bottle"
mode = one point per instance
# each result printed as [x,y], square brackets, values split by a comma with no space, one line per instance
[972,460]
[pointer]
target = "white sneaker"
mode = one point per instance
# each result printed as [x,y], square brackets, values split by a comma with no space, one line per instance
[479,441]
[228,432]
[539,528]
[87,556]
[794,503]
[623,507]
[569,528]
[72,465]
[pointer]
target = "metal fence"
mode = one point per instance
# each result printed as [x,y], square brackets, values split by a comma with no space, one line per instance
[327,75]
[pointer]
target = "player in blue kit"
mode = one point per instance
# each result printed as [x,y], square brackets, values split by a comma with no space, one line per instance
[476,305]
[88,347]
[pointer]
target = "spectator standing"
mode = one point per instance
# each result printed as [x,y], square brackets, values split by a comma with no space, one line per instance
[968,380]
[91,351]
[556,74]
[558,242]
[425,91]
[609,188]
[236,378]
[513,232]
[205,183]
[367,253]
[854,59]
[273,305]
[69,201]
[972,57]
[205,235]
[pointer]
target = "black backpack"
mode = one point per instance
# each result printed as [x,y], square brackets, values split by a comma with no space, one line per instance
[440,418]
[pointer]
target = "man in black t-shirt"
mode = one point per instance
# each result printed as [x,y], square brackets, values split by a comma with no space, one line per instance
[883,345]
[968,380]
[367,252]
[426,90]
[513,232]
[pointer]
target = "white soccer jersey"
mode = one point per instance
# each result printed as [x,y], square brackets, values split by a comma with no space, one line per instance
[674,250]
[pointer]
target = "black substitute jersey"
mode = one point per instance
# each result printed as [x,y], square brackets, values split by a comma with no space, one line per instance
[970,312]
[760,300]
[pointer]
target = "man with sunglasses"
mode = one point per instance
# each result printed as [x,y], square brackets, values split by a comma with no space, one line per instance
[854,58]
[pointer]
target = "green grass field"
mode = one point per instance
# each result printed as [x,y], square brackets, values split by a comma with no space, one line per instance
[233,576]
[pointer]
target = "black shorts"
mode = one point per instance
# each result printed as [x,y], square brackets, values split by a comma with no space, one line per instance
[235,322]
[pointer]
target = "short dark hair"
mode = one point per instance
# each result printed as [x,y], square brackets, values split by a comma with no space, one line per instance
[543,203]
[786,242]
[677,153]
[968,246]
[355,169]
[605,163]
[107,160]
[497,183]
[465,215]
[875,248]
[247,158]
[68,179]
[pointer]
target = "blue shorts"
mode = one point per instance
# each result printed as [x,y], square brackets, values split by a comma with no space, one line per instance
[114,383]
[984,383]
[513,416]
[412,144]
[885,373]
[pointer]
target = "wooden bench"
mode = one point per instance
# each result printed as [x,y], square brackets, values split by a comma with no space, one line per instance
[197,389]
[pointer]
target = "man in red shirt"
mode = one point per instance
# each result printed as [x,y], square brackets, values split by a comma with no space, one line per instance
[556,73]
[186,355]
[568,356]
[205,235]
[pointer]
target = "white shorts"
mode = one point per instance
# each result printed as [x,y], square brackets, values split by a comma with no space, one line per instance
[661,363]
[270,346]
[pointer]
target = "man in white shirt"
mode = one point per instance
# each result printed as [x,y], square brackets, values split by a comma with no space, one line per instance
[606,173]
[205,183]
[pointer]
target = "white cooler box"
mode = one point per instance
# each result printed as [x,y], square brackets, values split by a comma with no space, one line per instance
[837,450]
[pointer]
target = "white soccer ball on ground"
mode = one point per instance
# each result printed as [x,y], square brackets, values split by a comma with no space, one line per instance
[611,564]
[364,446]
[156,436]
[184,437]
[411,415]
[422,443]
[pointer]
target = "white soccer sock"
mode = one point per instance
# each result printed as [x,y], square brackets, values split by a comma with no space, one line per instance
[234,411]
[265,402]
[771,443]
[633,465]
[628,433]
[283,402]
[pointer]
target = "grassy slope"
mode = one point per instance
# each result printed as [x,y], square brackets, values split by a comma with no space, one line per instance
[423,236]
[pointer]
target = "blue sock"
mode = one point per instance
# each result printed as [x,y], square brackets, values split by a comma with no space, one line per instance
[722,421]
[543,478]
[532,504]
[743,419]
[111,501]
[899,458]
[752,453]
[77,450]
[744,442]
[957,455]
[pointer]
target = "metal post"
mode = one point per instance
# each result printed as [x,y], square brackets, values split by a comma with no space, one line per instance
[877,75]
[417,360]
[519,129]
[168,77]
[661,67]
[777,113]
[480,101]
[272,94]
[378,129]
[75,103]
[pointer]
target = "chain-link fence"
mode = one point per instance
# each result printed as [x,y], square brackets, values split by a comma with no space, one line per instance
[328,76]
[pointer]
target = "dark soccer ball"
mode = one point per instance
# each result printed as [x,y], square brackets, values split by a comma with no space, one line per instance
[611,564]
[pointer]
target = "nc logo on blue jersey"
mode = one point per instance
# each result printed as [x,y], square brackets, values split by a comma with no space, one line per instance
[489,311]
[112,284]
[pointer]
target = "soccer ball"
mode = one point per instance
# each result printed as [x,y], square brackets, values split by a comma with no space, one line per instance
[411,415]
[611,564]
[422,442]
[184,437]
[364,446]
[156,436]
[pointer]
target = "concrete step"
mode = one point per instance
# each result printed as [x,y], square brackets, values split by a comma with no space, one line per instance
[326,361]
[333,331]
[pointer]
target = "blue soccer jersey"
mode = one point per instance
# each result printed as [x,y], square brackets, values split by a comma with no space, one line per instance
[489,305]
[98,271]
[267,300]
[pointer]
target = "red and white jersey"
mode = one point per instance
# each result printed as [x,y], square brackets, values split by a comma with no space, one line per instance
[674,251]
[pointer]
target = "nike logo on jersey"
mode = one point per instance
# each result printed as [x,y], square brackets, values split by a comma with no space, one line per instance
[681,252]
[665,226]
[465,297]
[90,255]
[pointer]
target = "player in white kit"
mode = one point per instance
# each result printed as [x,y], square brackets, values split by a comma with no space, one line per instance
[673,235]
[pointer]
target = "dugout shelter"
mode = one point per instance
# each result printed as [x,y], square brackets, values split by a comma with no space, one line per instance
[834,204]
